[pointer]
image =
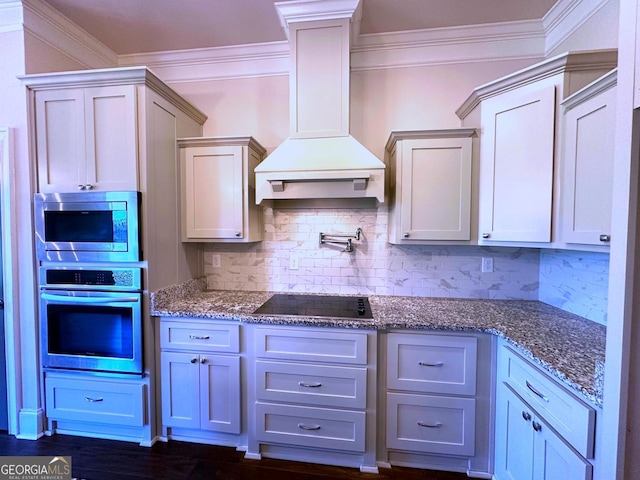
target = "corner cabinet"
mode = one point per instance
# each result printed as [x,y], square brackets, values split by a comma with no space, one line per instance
[542,430]
[520,160]
[430,185]
[218,189]
[587,157]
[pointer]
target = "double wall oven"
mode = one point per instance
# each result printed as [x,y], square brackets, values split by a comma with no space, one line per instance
[91,300]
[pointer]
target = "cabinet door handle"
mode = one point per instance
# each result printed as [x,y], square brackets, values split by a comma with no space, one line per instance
[533,389]
[406,235]
[94,400]
[430,425]
[605,238]
[88,186]
[308,427]
[203,360]
[193,360]
[427,364]
[536,426]
[199,337]
[309,385]
[526,415]
[238,234]
[486,235]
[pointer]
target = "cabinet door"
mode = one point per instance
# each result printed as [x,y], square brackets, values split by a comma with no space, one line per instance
[436,189]
[555,459]
[516,167]
[60,134]
[220,393]
[588,170]
[180,387]
[514,437]
[111,138]
[212,192]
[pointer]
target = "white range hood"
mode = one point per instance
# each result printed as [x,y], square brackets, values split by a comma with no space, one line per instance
[320,159]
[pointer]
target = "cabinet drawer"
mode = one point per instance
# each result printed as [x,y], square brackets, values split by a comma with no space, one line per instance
[424,423]
[323,385]
[96,401]
[208,336]
[432,363]
[567,414]
[310,427]
[314,345]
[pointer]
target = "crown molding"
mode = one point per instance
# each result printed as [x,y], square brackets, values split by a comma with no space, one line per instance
[567,16]
[605,82]
[11,17]
[46,24]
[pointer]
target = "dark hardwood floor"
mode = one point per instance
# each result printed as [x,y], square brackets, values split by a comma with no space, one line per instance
[94,459]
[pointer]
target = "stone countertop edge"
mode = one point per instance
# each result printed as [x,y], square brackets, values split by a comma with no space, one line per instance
[569,347]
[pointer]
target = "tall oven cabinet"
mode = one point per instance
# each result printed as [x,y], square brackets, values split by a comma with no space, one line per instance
[116,130]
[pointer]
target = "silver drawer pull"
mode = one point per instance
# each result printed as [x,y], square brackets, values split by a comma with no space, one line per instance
[536,426]
[309,385]
[430,425]
[307,427]
[533,389]
[605,238]
[199,337]
[94,400]
[526,415]
[427,364]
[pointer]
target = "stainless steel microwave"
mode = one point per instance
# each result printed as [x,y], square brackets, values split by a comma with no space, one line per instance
[88,226]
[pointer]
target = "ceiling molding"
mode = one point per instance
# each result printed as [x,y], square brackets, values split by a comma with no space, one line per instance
[10,16]
[567,16]
[54,29]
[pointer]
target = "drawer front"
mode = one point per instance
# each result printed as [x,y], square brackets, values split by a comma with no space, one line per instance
[313,345]
[323,385]
[310,427]
[200,336]
[432,363]
[97,401]
[567,414]
[429,424]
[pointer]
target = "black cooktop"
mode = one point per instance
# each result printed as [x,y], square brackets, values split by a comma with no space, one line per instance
[316,306]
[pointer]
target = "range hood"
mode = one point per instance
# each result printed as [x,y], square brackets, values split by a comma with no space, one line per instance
[320,159]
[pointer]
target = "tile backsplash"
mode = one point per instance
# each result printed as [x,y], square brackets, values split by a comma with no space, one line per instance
[375,267]
[576,282]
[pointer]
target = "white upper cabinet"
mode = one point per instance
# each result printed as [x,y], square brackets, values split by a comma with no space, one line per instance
[86,139]
[430,185]
[587,158]
[520,169]
[516,166]
[218,189]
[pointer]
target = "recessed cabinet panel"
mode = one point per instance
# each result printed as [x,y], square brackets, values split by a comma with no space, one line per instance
[221,412]
[588,169]
[437,179]
[516,167]
[214,199]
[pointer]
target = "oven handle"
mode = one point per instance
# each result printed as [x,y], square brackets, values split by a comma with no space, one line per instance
[67,299]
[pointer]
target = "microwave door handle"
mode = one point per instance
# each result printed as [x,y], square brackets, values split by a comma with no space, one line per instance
[71,299]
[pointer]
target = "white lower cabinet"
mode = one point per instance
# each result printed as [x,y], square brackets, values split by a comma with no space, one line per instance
[201,380]
[543,432]
[100,407]
[312,395]
[438,397]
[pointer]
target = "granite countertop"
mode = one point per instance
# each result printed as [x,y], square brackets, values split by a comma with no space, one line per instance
[569,347]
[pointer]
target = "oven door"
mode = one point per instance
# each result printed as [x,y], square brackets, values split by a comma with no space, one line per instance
[91,331]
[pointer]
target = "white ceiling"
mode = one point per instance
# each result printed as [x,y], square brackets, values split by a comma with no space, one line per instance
[142,26]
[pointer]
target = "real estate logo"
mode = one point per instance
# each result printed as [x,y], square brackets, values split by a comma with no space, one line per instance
[35,468]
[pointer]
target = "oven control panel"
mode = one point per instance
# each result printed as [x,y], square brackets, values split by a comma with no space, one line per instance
[94,278]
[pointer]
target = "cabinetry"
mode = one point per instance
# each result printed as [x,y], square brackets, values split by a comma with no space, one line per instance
[314,389]
[103,406]
[86,138]
[587,158]
[520,120]
[200,369]
[430,185]
[218,189]
[542,430]
[438,399]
